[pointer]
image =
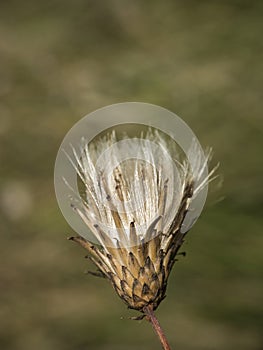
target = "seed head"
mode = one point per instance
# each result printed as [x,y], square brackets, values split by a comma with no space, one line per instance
[137,212]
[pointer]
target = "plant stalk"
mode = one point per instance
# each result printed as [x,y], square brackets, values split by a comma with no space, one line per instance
[150,316]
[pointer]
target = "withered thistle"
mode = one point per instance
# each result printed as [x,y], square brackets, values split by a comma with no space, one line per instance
[137,213]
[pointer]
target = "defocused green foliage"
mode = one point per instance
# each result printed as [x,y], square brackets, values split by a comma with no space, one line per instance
[60,60]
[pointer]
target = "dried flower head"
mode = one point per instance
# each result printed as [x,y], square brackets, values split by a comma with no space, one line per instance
[137,213]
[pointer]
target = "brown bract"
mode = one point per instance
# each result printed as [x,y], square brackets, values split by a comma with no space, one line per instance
[139,274]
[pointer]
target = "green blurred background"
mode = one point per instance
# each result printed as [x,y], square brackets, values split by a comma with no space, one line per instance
[60,60]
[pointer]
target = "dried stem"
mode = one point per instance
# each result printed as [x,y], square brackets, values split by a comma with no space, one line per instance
[148,310]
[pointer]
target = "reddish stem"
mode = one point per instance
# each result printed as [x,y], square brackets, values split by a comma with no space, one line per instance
[148,310]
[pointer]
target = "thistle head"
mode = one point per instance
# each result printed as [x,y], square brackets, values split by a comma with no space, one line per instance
[137,199]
